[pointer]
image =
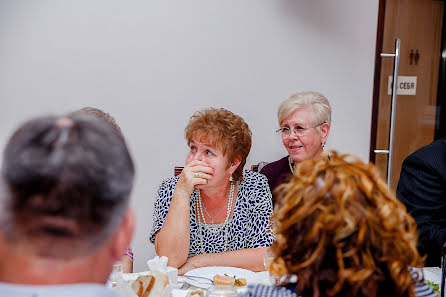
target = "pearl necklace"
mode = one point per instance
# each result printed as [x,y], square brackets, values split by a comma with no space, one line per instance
[223,226]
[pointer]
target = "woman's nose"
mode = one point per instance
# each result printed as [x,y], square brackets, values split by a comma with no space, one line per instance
[198,157]
[293,134]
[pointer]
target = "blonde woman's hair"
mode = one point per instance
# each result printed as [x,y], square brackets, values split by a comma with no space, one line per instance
[320,107]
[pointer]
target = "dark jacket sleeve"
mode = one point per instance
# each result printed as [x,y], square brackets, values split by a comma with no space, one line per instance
[421,188]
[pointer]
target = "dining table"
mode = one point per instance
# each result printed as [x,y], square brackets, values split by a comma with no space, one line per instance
[185,284]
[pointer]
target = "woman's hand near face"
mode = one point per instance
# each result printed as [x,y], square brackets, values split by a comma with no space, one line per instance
[193,174]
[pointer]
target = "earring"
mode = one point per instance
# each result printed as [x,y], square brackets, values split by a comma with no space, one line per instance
[323,144]
[230,178]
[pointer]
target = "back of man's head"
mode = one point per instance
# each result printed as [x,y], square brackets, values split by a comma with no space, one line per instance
[67,182]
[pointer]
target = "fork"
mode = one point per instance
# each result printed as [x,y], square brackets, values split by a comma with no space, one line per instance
[185,286]
[199,279]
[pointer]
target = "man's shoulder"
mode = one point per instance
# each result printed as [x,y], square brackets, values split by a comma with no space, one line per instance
[432,148]
[72,290]
[433,154]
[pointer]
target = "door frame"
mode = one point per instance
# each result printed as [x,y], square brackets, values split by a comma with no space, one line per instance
[377,79]
[440,119]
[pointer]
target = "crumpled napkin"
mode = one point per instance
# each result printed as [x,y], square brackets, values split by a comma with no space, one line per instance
[124,289]
[158,263]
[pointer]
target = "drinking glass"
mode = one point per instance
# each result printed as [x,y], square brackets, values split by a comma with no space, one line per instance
[116,273]
[268,258]
[221,291]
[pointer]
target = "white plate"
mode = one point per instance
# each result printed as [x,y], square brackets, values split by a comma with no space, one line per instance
[432,274]
[211,271]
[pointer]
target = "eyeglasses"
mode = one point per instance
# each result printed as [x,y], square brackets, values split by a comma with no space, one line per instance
[299,130]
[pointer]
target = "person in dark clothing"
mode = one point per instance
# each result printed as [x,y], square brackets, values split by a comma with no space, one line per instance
[422,188]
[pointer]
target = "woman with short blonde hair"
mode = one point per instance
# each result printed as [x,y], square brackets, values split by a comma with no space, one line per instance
[304,121]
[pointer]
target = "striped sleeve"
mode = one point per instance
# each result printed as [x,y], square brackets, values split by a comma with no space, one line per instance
[261,290]
[421,288]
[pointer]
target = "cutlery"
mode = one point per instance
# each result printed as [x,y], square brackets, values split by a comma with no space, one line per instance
[185,286]
[199,279]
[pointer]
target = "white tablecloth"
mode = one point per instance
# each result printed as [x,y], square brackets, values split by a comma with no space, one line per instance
[432,274]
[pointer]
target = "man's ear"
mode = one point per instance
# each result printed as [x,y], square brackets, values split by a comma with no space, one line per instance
[123,236]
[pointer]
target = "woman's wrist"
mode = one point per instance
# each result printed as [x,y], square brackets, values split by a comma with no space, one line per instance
[183,188]
[201,260]
[184,193]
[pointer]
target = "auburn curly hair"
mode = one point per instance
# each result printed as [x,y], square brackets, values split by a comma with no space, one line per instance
[224,130]
[342,232]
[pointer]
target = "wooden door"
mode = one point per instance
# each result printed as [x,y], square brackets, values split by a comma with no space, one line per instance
[418,24]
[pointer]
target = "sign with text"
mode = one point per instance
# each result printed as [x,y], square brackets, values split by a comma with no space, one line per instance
[407,85]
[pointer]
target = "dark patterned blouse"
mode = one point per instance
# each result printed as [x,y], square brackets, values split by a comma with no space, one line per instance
[249,227]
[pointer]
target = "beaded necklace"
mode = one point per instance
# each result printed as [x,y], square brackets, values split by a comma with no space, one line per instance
[223,226]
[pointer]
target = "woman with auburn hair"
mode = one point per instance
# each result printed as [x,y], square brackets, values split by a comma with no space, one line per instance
[214,213]
[304,121]
[342,233]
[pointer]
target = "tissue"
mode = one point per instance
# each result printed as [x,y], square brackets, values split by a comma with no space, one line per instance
[158,263]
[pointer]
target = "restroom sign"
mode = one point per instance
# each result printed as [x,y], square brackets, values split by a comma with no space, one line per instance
[407,85]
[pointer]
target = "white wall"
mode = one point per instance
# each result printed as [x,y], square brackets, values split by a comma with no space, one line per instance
[151,64]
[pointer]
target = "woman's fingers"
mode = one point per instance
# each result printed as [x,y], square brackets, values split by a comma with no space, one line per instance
[199,169]
[201,174]
[201,178]
[197,166]
[193,174]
